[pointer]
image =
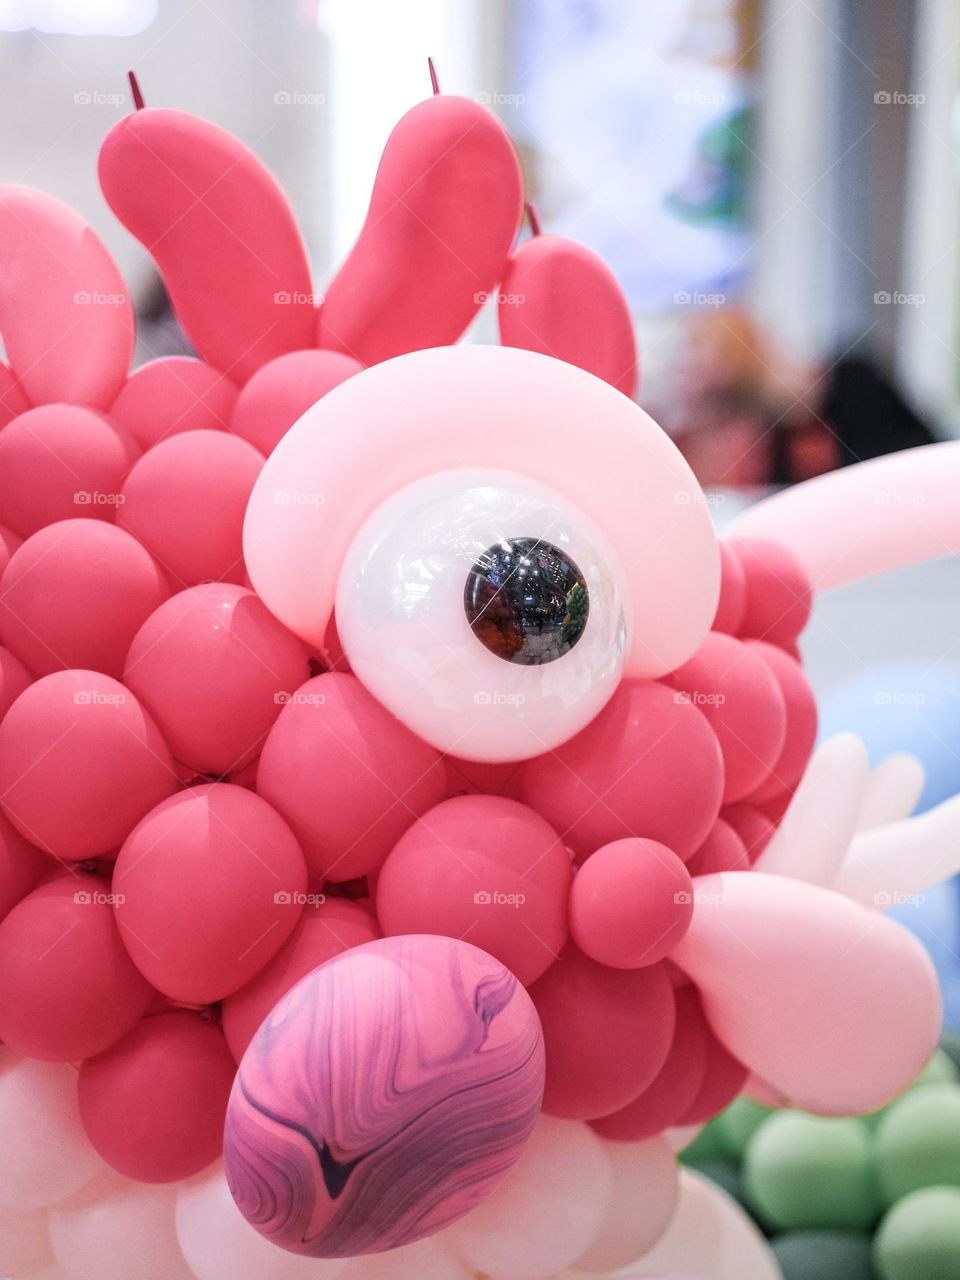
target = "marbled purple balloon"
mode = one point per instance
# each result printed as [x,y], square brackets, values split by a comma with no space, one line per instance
[386,1095]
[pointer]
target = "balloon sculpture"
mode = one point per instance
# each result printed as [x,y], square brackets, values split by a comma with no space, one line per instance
[406,799]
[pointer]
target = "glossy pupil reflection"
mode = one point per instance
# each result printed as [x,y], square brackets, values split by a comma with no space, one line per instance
[526,601]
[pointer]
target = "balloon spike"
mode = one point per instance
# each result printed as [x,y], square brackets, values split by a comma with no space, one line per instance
[434,82]
[138,101]
[533,218]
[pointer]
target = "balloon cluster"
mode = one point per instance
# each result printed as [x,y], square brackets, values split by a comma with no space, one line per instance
[387,815]
[875,1197]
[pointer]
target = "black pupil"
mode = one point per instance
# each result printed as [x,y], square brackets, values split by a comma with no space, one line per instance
[526,601]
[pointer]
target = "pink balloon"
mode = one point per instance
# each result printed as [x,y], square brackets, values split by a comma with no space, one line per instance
[631,903]
[517,405]
[8,545]
[649,765]
[835,1006]
[185,499]
[21,867]
[154,1104]
[733,591]
[221,231]
[676,1086]
[558,297]
[324,930]
[723,850]
[753,828]
[644,1200]
[444,211]
[75,594]
[485,867]
[210,883]
[346,775]
[215,669]
[65,312]
[737,692]
[14,678]
[173,394]
[607,1033]
[68,989]
[24,1243]
[723,1078]
[778,595]
[280,392]
[12,399]
[80,763]
[58,462]
[801,722]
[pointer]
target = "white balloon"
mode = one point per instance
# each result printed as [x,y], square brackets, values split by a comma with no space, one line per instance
[644,1199]
[816,830]
[24,1243]
[894,862]
[547,1210]
[219,1244]
[45,1155]
[895,786]
[119,1231]
[428,1259]
[710,1237]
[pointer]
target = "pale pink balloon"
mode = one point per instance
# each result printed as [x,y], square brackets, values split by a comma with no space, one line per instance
[185,499]
[456,407]
[24,1242]
[546,1212]
[428,1259]
[45,1155]
[119,1229]
[65,311]
[80,763]
[281,391]
[61,461]
[644,1198]
[173,394]
[836,1006]
[75,594]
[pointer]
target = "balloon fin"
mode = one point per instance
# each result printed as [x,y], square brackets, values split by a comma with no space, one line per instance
[903,858]
[893,791]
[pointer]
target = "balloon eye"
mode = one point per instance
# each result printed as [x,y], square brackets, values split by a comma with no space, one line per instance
[526,601]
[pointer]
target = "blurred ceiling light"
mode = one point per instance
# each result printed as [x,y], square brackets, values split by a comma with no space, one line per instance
[78,17]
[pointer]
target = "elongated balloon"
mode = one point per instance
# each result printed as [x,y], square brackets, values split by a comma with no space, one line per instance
[817,828]
[558,297]
[837,1007]
[444,212]
[902,858]
[65,314]
[858,521]
[221,232]
[894,788]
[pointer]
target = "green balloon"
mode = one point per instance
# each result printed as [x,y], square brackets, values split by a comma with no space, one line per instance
[950,1045]
[824,1255]
[804,1171]
[941,1069]
[919,1239]
[737,1125]
[918,1142]
[726,1174]
[705,1146]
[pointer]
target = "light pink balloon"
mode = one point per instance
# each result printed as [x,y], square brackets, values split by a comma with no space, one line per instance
[836,1006]
[428,1259]
[119,1231]
[24,1243]
[644,1199]
[456,407]
[173,394]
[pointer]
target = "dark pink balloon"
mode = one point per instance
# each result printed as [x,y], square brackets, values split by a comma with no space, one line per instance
[153,1105]
[346,775]
[75,594]
[80,763]
[778,595]
[723,850]
[8,545]
[486,867]
[12,399]
[214,667]
[752,826]
[21,866]
[740,697]
[185,501]
[733,591]
[648,765]
[14,678]
[677,1085]
[211,883]
[58,462]
[607,1033]
[324,930]
[68,989]
[724,1076]
[801,722]
[631,903]
[283,390]
[173,394]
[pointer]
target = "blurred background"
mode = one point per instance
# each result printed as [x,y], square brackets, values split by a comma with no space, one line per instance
[774,182]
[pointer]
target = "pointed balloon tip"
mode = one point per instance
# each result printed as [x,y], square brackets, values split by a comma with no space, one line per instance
[533,218]
[434,82]
[138,101]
